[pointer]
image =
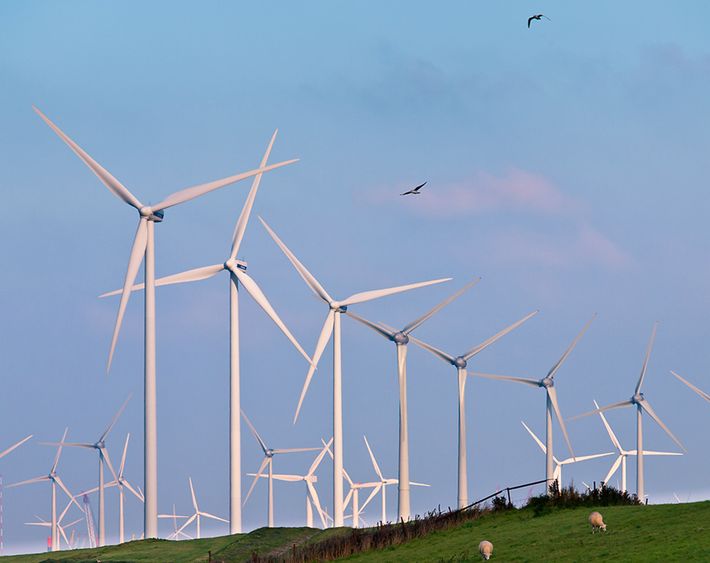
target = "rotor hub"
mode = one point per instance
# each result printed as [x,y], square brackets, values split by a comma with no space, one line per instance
[637,398]
[147,212]
[270,453]
[233,263]
[401,338]
[460,362]
[547,382]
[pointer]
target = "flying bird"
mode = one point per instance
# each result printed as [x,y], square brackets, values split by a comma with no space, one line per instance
[415,191]
[537,17]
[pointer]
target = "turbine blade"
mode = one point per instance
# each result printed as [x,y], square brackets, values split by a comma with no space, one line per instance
[195,274]
[618,405]
[612,436]
[584,458]
[379,329]
[59,450]
[319,458]
[613,469]
[309,278]
[139,245]
[372,495]
[699,391]
[263,465]
[476,349]
[104,452]
[241,225]
[294,450]
[123,456]
[258,296]
[115,418]
[645,360]
[651,452]
[556,367]
[534,437]
[552,392]
[136,494]
[192,494]
[323,339]
[188,194]
[316,501]
[438,353]
[378,293]
[116,188]
[14,446]
[426,316]
[647,407]
[61,484]
[524,380]
[189,521]
[27,482]
[254,432]
[374,461]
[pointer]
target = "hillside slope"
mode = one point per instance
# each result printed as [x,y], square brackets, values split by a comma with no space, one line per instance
[673,532]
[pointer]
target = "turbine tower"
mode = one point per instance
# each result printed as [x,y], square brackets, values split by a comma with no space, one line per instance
[639,401]
[461,363]
[548,384]
[237,270]
[557,472]
[401,339]
[332,327]
[268,461]
[144,248]
[623,454]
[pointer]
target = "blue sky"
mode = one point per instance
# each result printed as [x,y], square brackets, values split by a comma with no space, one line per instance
[566,166]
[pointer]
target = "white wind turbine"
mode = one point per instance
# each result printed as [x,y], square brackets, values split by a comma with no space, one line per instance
[382,485]
[623,454]
[144,247]
[14,446]
[332,327]
[237,274]
[100,447]
[41,522]
[557,473]
[401,339]
[54,478]
[641,403]
[310,479]
[197,514]
[268,461]
[120,481]
[697,390]
[177,534]
[548,384]
[461,363]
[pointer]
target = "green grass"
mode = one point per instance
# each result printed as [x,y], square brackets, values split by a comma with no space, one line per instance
[673,532]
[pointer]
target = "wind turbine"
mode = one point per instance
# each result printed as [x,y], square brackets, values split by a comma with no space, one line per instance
[641,403]
[548,384]
[144,246]
[623,454]
[461,363]
[237,273]
[332,327]
[100,447]
[120,481]
[382,485]
[45,524]
[401,339]
[699,391]
[176,533]
[54,478]
[557,473]
[268,461]
[198,514]
[310,479]
[17,445]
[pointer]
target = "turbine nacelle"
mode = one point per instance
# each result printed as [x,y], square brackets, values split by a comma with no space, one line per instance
[233,263]
[637,399]
[147,212]
[460,362]
[337,307]
[400,338]
[547,382]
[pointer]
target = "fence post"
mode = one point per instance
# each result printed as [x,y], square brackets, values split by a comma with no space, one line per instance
[508,490]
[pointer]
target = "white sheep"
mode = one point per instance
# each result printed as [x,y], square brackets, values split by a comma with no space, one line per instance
[486,549]
[597,522]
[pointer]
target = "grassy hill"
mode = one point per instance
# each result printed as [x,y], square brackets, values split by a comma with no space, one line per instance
[673,532]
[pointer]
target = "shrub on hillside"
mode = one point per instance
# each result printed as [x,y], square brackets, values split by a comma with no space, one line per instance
[569,497]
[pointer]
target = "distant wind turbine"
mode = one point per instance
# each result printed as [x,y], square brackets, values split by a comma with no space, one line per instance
[197,514]
[641,403]
[144,247]
[331,326]
[548,384]
[623,454]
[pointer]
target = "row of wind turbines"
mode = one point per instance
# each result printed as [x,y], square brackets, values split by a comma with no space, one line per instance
[143,250]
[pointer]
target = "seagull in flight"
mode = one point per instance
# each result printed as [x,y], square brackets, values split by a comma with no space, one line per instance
[415,191]
[537,17]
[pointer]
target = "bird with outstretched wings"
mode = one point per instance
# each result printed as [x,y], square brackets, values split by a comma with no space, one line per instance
[415,191]
[536,17]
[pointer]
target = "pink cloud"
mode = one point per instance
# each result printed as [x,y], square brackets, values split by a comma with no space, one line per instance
[516,190]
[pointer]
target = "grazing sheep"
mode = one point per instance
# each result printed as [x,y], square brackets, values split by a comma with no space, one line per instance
[486,549]
[597,522]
